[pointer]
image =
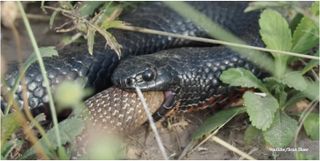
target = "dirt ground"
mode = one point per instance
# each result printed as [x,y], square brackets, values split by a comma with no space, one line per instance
[175,138]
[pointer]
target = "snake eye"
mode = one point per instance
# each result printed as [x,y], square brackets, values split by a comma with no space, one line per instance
[148,75]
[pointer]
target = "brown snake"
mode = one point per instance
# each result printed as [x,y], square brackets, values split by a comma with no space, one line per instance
[113,111]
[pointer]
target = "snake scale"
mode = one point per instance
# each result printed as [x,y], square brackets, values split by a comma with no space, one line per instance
[188,74]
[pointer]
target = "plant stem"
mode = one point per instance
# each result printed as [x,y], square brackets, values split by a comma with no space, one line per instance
[152,124]
[213,41]
[280,65]
[232,148]
[43,72]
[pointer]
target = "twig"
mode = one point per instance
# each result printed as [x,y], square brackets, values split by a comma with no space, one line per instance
[152,124]
[38,17]
[250,152]
[186,149]
[43,72]
[232,148]
[200,39]
[213,41]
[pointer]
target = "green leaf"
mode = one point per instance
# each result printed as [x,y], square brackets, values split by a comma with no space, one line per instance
[216,121]
[295,80]
[261,5]
[69,130]
[282,131]
[275,31]
[89,7]
[306,34]
[295,21]
[295,97]
[251,134]
[9,124]
[311,125]
[241,77]
[311,64]
[312,90]
[261,110]
[48,51]
[10,146]
[272,82]
[70,93]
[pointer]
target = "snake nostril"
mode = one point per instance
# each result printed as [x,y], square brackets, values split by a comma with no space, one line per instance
[129,82]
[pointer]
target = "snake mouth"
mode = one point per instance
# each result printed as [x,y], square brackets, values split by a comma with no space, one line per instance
[169,100]
[167,105]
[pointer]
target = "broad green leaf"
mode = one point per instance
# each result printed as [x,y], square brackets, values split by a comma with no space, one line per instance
[275,31]
[9,124]
[295,80]
[88,7]
[282,97]
[251,134]
[241,77]
[311,125]
[272,82]
[69,130]
[216,121]
[306,34]
[312,90]
[277,88]
[90,36]
[260,109]
[282,130]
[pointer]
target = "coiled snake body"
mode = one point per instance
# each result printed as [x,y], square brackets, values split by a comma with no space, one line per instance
[188,75]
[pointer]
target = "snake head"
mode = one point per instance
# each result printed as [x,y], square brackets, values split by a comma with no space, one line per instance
[146,72]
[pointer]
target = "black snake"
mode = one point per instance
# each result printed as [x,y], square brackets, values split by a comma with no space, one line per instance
[188,75]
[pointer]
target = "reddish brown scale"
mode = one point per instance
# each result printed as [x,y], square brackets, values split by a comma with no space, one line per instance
[220,101]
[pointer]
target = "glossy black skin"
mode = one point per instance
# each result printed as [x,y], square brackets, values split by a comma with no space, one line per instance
[191,73]
[74,62]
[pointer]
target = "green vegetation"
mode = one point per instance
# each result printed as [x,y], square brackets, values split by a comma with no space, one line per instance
[269,112]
